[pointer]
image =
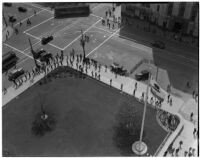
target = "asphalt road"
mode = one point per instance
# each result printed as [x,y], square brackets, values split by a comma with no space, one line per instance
[180,61]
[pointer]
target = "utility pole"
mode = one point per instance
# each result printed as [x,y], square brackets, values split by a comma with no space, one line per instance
[33,53]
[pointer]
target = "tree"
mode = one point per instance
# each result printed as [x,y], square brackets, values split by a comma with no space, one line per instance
[44,121]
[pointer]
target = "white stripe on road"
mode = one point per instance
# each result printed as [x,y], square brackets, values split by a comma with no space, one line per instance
[18,50]
[55,46]
[97,16]
[80,35]
[96,6]
[102,43]
[32,45]
[32,36]
[103,29]
[41,8]
[28,17]
[38,24]
[40,41]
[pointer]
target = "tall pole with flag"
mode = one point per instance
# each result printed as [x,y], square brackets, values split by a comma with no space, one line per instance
[139,147]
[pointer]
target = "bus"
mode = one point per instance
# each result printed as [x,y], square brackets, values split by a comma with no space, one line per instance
[72,11]
[9,60]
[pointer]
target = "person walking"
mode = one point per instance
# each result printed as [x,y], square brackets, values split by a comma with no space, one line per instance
[134,92]
[110,82]
[121,87]
[191,116]
[135,85]
[194,132]
[168,97]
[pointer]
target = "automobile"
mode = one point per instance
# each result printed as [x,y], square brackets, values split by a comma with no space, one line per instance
[45,57]
[13,75]
[156,91]
[7,4]
[22,9]
[9,60]
[158,44]
[39,53]
[46,40]
[116,68]
[12,19]
[142,76]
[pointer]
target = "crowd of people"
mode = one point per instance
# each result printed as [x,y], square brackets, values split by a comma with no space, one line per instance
[111,20]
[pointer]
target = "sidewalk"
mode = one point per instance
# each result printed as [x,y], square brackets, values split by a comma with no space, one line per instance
[128,87]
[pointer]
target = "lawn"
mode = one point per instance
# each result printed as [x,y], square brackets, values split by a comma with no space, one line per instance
[87,114]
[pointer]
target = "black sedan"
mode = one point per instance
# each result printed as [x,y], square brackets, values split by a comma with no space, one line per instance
[22,9]
[46,40]
[142,76]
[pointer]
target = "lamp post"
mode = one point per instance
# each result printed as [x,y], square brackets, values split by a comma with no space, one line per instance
[33,53]
[139,147]
[83,44]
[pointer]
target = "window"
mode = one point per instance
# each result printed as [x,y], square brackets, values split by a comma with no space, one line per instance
[194,11]
[158,8]
[170,8]
[182,9]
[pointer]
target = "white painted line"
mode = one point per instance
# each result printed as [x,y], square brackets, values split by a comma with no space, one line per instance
[103,29]
[96,16]
[102,43]
[28,17]
[32,45]
[80,35]
[18,50]
[38,24]
[40,8]
[55,46]
[40,41]
[33,36]
[96,6]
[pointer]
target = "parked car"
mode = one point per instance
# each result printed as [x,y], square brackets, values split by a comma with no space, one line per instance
[39,53]
[7,4]
[12,19]
[115,68]
[46,40]
[157,92]
[158,44]
[13,75]
[22,9]
[45,57]
[142,76]
[9,60]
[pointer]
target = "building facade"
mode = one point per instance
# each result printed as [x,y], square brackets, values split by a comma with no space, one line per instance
[180,17]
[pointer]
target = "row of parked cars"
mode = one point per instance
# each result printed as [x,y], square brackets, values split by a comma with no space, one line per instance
[10,60]
[20,9]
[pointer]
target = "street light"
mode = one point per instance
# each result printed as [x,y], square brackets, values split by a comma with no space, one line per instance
[83,44]
[33,53]
[139,147]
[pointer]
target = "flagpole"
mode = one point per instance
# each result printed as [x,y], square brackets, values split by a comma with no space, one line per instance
[139,147]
